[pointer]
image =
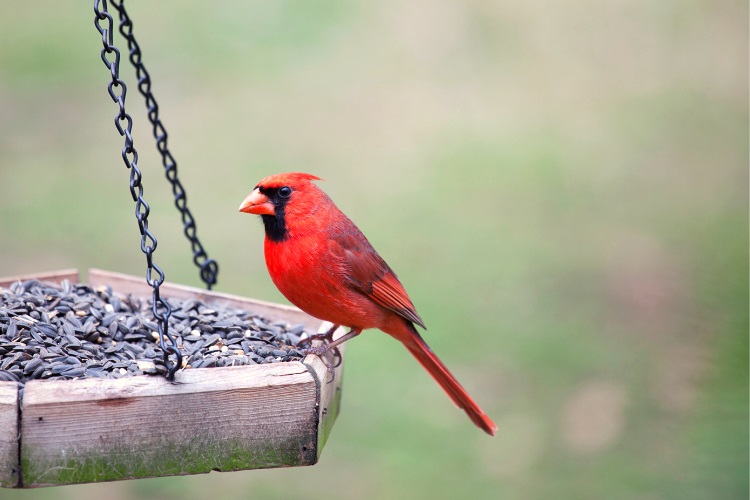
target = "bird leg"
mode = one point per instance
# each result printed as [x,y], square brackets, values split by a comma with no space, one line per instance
[326,337]
[320,350]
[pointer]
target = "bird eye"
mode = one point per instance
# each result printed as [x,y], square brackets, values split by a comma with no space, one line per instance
[285,192]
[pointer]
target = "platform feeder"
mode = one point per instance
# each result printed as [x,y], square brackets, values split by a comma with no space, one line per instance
[57,429]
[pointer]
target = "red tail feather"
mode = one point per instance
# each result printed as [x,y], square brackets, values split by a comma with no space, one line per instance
[420,350]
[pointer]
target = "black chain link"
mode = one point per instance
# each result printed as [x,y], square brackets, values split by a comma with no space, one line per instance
[124,123]
[208,267]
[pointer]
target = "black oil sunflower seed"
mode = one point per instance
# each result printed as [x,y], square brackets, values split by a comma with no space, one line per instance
[72,331]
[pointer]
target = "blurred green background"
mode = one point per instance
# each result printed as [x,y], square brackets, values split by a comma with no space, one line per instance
[562,188]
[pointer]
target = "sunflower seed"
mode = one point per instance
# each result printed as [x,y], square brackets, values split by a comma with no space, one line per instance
[73,372]
[32,365]
[6,376]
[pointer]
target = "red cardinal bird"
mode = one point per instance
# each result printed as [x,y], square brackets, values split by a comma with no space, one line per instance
[325,266]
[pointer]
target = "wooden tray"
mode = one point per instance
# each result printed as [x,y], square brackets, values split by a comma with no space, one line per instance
[223,419]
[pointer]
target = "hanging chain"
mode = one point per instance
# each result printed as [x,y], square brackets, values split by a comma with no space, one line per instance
[208,267]
[117,90]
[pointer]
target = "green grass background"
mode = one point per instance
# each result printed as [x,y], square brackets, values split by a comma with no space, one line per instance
[562,188]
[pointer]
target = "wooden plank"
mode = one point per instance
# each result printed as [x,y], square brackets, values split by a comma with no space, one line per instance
[56,277]
[230,418]
[329,389]
[8,434]
[125,283]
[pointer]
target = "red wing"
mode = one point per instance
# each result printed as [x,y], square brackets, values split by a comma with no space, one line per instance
[389,293]
[369,274]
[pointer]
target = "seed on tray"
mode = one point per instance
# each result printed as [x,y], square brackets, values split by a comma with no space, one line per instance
[73,331]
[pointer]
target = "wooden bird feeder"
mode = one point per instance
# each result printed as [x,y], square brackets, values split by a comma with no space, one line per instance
[87,430]
[84,430]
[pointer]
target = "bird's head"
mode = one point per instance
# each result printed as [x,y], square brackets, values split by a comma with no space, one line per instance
[278,196]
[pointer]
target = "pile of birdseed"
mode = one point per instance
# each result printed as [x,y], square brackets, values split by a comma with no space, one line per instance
[74,331]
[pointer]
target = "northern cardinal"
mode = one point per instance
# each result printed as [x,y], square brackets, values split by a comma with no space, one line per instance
[324,265]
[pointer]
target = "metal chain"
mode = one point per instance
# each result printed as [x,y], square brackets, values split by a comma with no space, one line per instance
[209,269]
[117,90]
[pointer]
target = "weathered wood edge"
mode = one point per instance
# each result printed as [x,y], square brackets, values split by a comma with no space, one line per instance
[9,460]
[228,418]
[10,438]
[190,381]
[57,277]
[329,389]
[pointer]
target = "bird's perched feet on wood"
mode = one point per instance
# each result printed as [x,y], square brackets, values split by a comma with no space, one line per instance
[321,350]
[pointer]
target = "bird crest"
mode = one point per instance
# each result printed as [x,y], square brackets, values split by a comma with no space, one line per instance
[288,179]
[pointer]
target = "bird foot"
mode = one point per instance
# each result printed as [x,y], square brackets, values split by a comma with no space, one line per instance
[320,351]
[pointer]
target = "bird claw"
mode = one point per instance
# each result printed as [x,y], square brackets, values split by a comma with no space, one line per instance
[337,358]
[320,351]
[328,344]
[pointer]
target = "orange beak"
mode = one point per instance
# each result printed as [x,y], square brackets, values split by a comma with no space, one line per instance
[257,203]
